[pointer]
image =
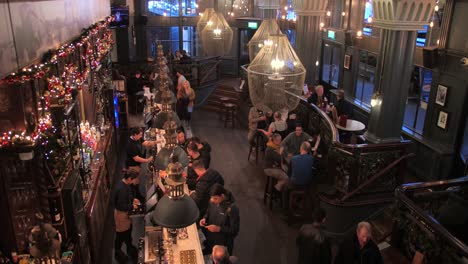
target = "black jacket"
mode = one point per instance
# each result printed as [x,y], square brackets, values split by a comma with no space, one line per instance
[123,197]
[313,246]
[351,253]
[205,153]
[201,196]
[226,216]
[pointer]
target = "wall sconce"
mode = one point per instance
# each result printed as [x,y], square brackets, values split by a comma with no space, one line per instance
[376,99]
[359,34]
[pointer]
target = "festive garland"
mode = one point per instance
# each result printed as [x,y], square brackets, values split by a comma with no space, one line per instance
[59,87]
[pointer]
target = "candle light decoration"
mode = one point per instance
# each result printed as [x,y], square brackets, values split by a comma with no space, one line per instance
[98,41]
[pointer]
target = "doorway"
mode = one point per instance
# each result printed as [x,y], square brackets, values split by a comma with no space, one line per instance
[245,34]
[331,65]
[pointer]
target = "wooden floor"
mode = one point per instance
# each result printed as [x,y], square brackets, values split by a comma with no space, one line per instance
[263,237]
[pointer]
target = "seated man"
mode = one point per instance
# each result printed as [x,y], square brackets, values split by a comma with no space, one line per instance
[291,144]
[206,179]
[301,167]
[341,107]
[273,162]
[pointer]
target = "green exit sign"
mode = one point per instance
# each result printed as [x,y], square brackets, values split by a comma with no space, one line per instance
[331,34]
[253,25]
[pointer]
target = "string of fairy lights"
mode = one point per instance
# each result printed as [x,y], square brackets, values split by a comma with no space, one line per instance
[62,78]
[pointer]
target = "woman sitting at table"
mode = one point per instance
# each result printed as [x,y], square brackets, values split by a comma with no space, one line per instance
[278,126]
[341,107]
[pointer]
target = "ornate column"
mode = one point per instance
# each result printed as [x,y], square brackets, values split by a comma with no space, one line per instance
[308,34]
[268,8]
[399,20]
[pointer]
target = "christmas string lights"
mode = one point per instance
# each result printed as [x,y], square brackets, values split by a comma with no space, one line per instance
[59,88]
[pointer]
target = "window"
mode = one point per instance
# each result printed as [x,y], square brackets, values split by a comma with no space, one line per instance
[171,7]
[169,38]
[421,38]
[418,98]
[368,15]
[366,76]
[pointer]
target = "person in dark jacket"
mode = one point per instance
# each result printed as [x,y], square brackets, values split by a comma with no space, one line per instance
[194,155]
[311,242]
[206,179]
[204,148]
[222,221]
[124,202]
[359,248]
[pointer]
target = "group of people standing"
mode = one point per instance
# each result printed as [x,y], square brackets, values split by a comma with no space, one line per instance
[219,216]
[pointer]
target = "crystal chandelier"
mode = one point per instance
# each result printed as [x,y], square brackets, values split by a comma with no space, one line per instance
[216,34]
[260,38]
[275,75]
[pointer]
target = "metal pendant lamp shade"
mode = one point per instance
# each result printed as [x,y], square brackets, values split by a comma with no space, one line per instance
[216,35]
[259,39]
[171,150]
[276,73]
[176,209]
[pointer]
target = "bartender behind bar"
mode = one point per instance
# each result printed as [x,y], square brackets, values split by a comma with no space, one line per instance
[135,154]
[124,202]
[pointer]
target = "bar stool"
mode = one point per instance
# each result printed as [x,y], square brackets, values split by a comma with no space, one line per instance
[298,203]
[230,114]
[222,102]
[258,148]
[270,195]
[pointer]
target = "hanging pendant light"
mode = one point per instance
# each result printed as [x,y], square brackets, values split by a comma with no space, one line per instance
[166,114]
[216,36]
[275,75]
[260,38]
[171,149]
[203,21]
[176,209]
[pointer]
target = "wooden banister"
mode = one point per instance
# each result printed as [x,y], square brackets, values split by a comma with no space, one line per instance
[376,176]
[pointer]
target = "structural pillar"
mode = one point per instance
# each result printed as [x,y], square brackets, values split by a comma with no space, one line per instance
[309,35]
[268,8]
[399,21]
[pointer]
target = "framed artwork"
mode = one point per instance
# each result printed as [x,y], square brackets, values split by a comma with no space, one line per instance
[442,120]
[347,61]
[441,97]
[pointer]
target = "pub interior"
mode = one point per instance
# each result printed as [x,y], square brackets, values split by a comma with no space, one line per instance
[233,131]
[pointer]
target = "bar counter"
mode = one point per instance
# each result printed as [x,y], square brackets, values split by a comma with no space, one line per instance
[188,240]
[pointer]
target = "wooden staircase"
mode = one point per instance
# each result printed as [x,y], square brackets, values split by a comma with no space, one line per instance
[213,102]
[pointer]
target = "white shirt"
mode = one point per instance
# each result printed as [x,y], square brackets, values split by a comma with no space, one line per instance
[278,126]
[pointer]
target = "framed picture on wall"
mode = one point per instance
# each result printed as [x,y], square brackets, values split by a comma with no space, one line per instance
[347,61]
[442,121]
[441,97]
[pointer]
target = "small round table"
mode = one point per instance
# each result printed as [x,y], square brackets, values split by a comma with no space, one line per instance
[352,126]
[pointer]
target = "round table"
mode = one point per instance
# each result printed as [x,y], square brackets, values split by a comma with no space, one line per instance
[352,126]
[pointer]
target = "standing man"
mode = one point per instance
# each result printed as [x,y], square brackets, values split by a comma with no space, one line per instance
[257,120]
[359,248]
[206,179]
[135,156]
[221,221]
[135,149]
[124,202]
[311,242]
